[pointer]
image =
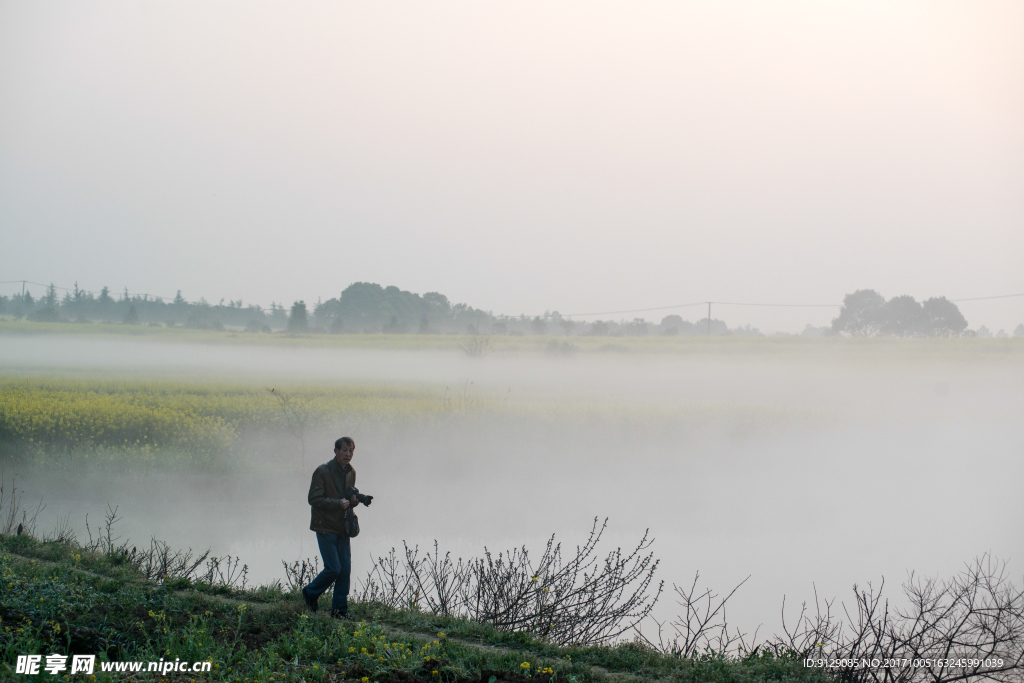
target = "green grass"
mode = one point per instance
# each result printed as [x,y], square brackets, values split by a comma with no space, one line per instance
[57,597]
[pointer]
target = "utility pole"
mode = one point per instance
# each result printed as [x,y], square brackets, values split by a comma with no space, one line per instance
[709,318]
[22,290]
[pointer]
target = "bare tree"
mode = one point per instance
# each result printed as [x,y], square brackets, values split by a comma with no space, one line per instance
[298,414]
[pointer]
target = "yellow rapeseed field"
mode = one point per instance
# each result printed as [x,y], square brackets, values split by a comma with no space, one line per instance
[68,414]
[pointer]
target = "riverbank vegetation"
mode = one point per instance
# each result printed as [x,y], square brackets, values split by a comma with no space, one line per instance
[61,597]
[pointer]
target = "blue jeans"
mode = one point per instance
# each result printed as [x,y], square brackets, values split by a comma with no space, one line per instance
[337,554]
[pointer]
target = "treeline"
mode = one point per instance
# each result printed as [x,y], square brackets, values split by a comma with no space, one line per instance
[866,313]
[80,306]
[364,307]
[361,308]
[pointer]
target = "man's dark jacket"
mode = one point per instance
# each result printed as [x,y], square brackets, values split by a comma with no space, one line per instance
[325,499]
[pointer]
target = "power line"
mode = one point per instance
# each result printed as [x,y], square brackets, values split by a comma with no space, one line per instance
[634,310]
[730,303]
[735,303]
[697,303]
[980,298]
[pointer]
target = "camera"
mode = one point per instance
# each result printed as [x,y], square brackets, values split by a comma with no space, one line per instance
[362,498]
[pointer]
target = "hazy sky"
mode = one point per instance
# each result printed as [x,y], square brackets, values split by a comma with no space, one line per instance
[519,156]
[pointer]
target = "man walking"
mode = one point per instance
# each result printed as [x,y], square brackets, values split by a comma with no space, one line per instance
[329,507]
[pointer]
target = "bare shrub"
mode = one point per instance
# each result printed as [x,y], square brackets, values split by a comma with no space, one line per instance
[162,563]
[578,600]
[299,573]
[474,347]
[63,533]
[14,519]
[390,582]
[701,628]
[225,571]
[969,627]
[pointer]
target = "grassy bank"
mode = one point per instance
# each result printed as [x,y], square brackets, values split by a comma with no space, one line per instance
[58,597]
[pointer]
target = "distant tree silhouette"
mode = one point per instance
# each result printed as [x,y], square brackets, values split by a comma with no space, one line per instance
[364,305]
[859,315]
[902,316]
[47,311]
[944,317]
[298,321]
[718,327]
[866,313]
[393,326]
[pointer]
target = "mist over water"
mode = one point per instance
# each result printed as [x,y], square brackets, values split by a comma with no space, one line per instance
[819,468]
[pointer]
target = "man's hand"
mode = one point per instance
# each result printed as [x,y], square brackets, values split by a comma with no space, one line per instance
[355,501]
[344,504]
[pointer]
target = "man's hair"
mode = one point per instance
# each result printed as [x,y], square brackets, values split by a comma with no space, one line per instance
[344,440]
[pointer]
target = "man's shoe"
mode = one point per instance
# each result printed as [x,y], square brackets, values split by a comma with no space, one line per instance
[309,600]
[338,614]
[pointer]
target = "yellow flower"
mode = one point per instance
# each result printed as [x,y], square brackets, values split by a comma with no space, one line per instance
[524,665]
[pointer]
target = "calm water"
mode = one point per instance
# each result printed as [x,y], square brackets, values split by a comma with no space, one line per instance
[800,471]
